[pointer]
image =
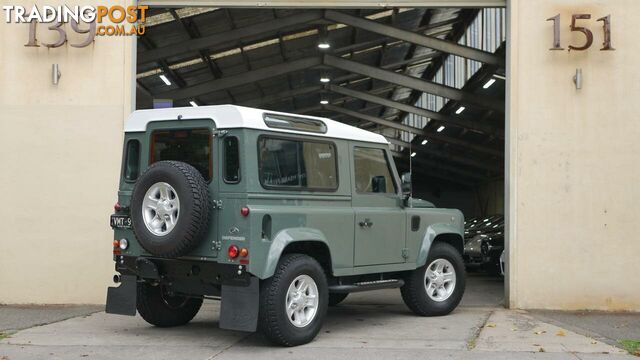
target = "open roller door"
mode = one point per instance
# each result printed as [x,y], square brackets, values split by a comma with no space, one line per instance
[430,76]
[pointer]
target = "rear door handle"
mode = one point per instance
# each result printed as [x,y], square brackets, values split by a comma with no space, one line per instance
[366,223]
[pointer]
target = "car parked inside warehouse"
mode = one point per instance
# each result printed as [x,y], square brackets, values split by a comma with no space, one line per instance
[484,243]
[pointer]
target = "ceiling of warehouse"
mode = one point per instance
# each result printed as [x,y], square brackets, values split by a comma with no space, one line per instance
[269,58]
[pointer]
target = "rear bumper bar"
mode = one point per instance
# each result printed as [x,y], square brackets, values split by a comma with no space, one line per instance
[177,270]
[188,277]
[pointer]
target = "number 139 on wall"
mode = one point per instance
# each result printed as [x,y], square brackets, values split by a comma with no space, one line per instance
[588,41]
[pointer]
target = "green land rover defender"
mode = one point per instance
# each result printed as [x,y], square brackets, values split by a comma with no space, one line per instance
[277,215]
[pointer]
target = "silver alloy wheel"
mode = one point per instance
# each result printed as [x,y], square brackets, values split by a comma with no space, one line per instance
[440,280]
[301,303]
[160,208]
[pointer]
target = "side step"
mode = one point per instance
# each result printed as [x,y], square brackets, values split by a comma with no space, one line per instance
[366,286]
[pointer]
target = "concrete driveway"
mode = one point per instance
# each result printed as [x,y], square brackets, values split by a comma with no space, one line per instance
[367,325]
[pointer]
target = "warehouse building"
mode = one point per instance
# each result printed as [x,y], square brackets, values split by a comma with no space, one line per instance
[497,107]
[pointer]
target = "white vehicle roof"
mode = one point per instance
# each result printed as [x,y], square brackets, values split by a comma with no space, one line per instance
[232,116]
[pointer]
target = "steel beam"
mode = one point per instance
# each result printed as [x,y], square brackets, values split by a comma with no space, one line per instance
[415,83]
[452,158]
[438,165]
[244,78]
[427,135]
[273,98]
[401,158]
[415,38]
[362,4]
[229,38]
[448,120]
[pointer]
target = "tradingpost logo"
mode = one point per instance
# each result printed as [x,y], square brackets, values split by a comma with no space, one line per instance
[114,20]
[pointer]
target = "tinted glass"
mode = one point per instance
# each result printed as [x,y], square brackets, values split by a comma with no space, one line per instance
[372,171]
[190,146]
[231,160]
[298,164]
[132,160]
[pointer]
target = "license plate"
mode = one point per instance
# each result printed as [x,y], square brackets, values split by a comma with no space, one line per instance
[121,221]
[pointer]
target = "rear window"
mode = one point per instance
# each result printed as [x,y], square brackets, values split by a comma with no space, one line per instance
[132,161]
[192,146]
[297,165]
[231,168]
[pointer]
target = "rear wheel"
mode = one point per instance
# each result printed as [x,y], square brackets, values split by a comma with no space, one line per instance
[436,288]
[293,302]
[159,308]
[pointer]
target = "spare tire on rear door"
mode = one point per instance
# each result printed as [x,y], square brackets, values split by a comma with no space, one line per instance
[170,209]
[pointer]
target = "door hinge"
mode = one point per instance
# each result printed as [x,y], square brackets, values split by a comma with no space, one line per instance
[217,245]
[220,133]
[405,253]
[217,204]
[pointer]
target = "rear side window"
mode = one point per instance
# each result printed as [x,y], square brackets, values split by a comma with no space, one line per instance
[132,161]
[192,146]
[231,171]
[372,171]
[297,165]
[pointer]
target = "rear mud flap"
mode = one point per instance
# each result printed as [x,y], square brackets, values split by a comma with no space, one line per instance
[122,299]
[239,308]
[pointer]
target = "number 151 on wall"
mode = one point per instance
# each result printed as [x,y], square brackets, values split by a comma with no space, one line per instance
[606,25]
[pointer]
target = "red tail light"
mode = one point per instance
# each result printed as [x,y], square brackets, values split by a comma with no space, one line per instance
[116,247]
[244,211]
[117,207]
[233,251]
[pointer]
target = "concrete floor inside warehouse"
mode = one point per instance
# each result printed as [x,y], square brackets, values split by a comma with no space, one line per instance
[367,325]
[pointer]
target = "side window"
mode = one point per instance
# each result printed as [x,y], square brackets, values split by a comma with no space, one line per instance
[372,171]
[299,165]
[191,146]
[132,160]
[231,168]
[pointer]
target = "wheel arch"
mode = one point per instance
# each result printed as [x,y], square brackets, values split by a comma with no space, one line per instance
[308,241]
[445,233]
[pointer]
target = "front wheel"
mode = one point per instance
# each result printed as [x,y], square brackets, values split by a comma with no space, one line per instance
[436,288]
[293,302]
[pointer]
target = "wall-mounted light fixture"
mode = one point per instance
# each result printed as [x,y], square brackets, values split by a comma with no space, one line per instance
[577,79]
[55,74]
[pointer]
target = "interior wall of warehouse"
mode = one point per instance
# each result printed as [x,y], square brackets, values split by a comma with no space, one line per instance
[573,168]
[60,152]
[489,198]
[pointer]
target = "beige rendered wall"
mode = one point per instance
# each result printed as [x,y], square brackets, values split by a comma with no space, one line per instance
[59,163]
[575,198]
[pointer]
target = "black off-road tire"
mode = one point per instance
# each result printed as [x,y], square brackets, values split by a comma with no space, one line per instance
[273,320]
[195,209]
[414,292]
[337,298]
[493,266]
[162,310]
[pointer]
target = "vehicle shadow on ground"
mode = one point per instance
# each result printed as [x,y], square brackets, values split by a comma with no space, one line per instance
[371,317]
